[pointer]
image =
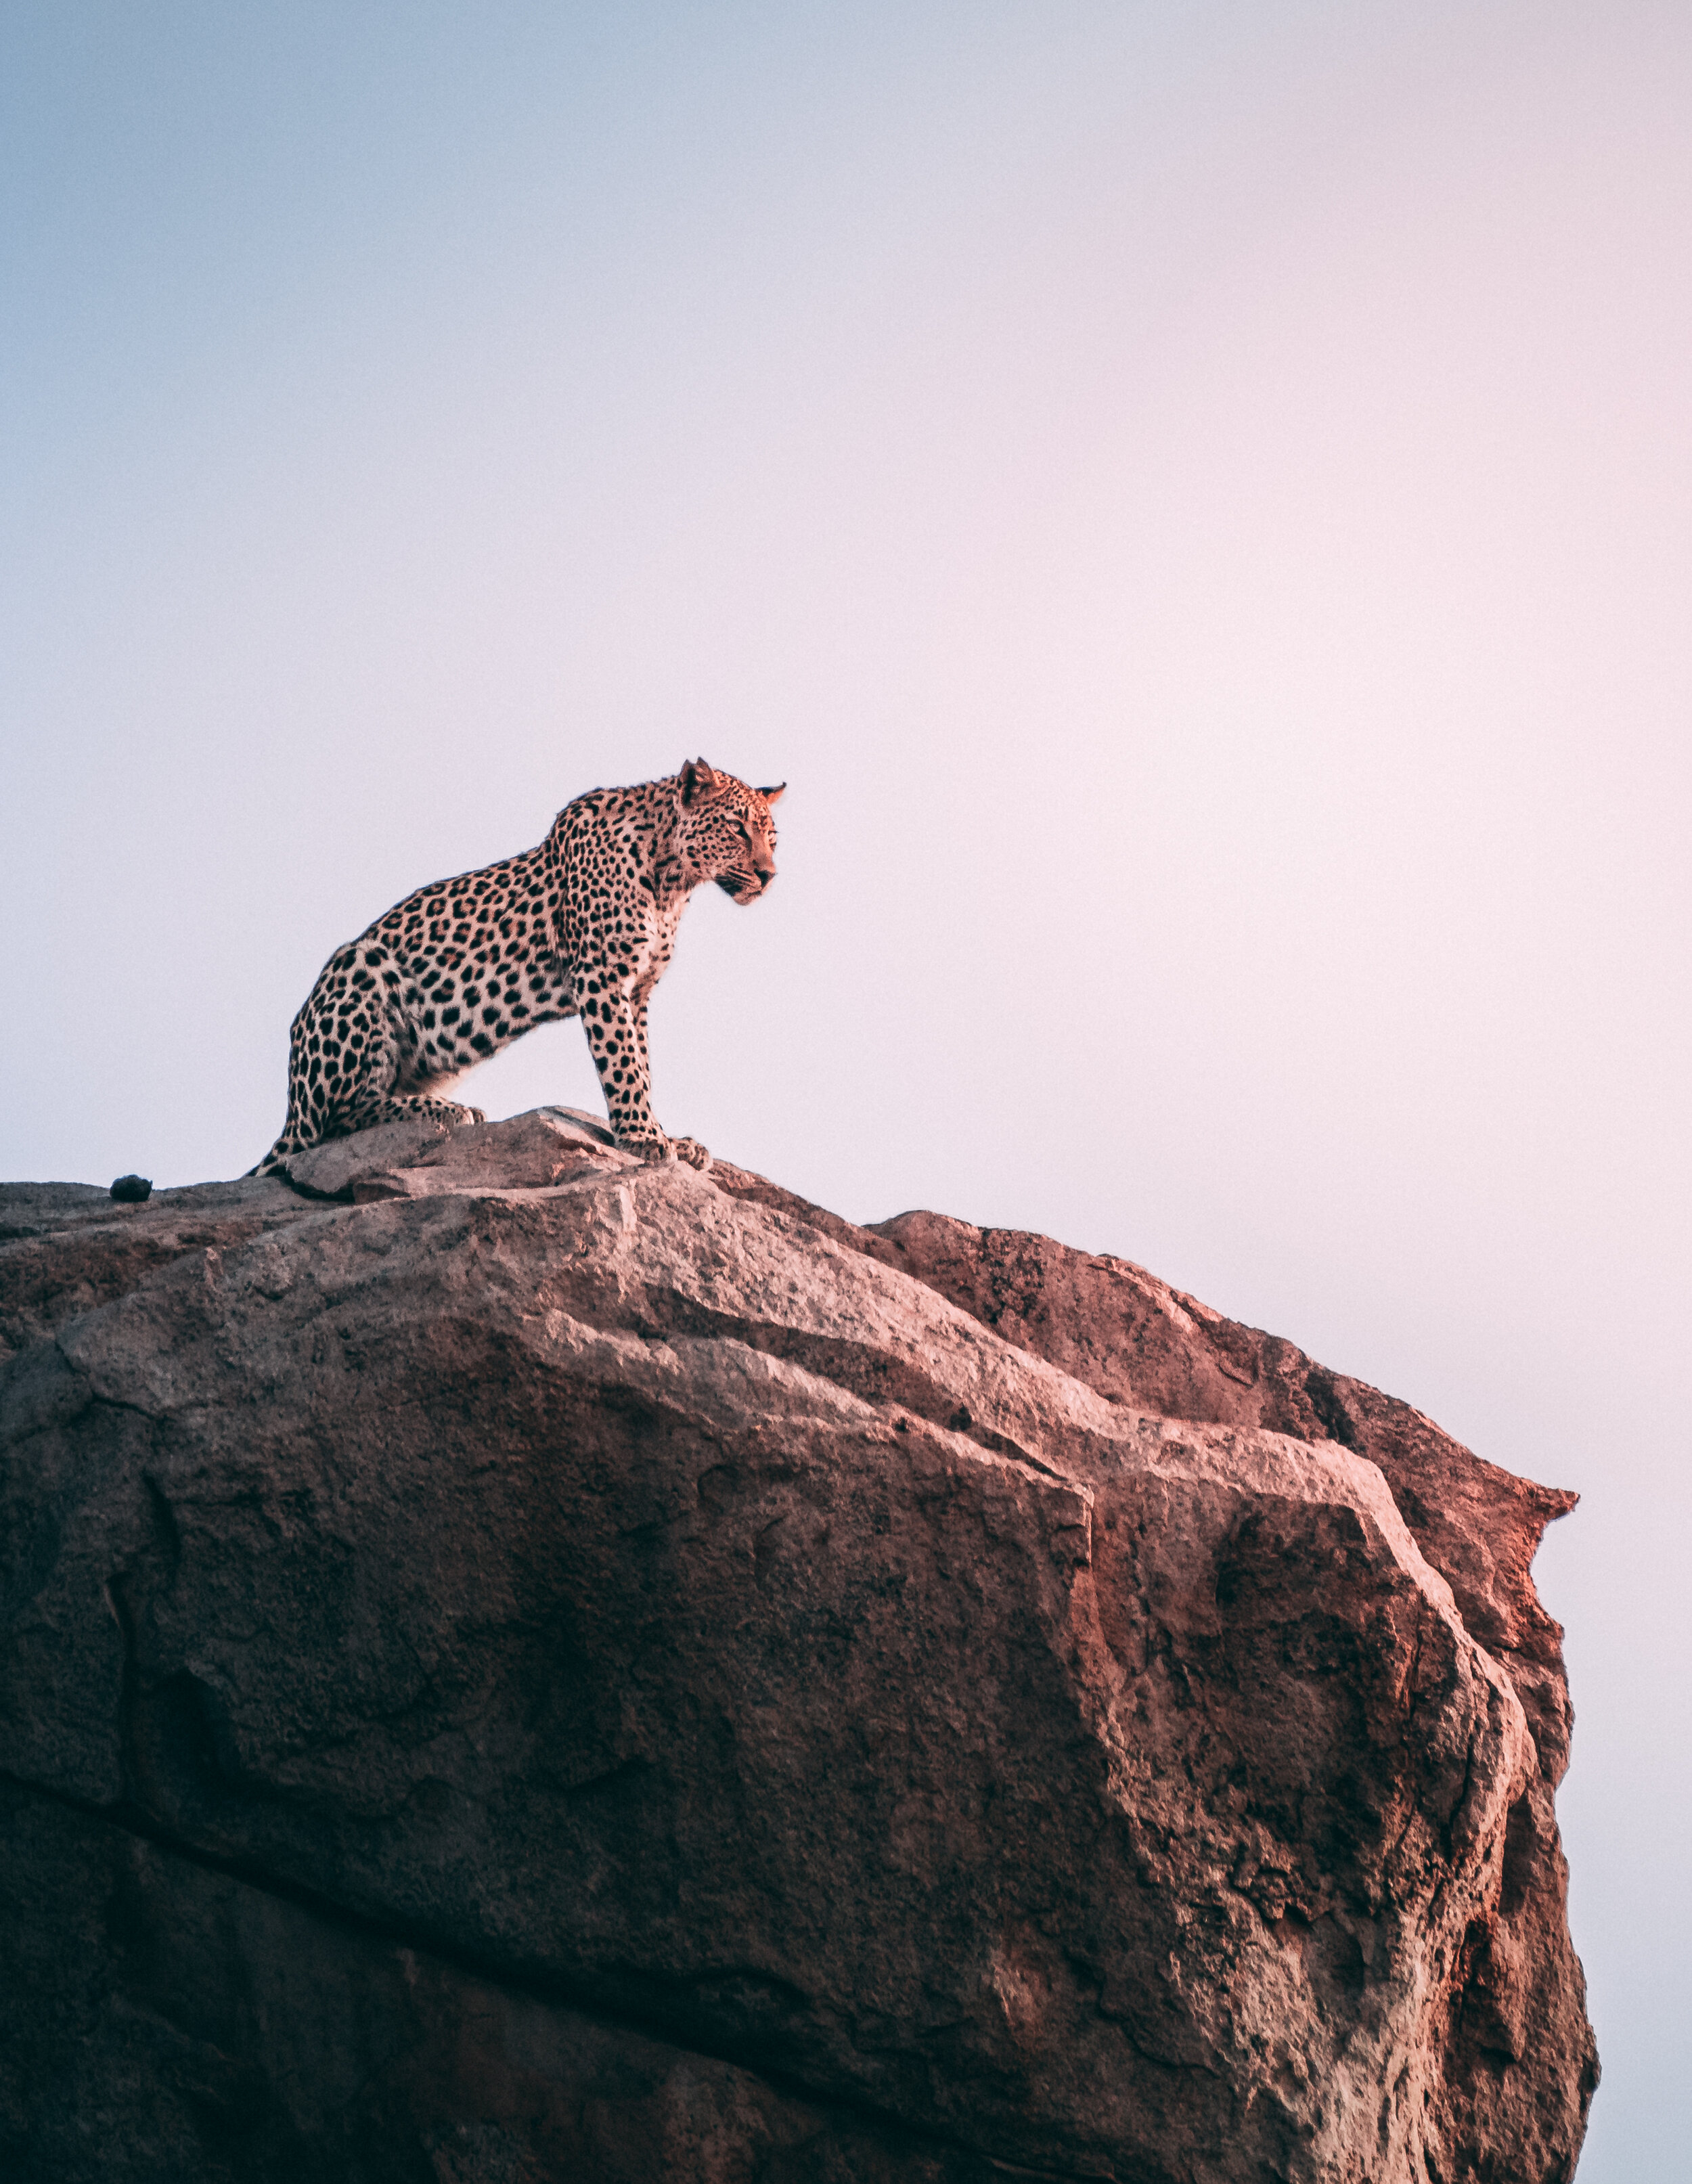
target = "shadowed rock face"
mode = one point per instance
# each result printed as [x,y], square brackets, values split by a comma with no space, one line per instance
[521,1665]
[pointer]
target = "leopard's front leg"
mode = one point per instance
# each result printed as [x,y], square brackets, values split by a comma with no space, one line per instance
[614,1020]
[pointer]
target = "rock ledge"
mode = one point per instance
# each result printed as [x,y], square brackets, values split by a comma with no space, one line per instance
[523,1665]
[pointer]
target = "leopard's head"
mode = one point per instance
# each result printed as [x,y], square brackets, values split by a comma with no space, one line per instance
[726,832]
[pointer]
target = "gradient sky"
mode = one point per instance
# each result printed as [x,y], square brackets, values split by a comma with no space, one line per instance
[1194,498]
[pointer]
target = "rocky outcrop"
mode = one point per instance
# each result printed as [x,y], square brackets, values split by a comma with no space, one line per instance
[523,1665]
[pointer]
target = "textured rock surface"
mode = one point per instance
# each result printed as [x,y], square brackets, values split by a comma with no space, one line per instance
[522,1665]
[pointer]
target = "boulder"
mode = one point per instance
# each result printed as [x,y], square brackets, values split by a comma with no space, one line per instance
[521,1663]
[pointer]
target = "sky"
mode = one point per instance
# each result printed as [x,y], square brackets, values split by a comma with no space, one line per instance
[1195,499]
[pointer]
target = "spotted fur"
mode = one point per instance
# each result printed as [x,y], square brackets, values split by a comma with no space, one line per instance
[584,925]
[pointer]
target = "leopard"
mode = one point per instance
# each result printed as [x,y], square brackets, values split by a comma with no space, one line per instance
[583,925]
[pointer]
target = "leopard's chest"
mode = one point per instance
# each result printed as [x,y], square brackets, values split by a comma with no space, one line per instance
[655,944]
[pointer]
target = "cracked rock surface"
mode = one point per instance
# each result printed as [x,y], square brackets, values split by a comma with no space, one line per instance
[519,1665]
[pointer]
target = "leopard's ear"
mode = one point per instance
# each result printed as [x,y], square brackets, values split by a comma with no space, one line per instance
[774,795]
[698,779]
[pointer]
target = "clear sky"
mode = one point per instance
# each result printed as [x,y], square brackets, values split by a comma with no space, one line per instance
[1194,498]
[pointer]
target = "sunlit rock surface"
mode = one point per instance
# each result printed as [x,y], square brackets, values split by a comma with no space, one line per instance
[522,1665]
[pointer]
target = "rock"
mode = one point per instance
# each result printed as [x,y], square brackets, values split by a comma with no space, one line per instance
[168,2019]
[26,1208]
[526,1664]
[430,1158]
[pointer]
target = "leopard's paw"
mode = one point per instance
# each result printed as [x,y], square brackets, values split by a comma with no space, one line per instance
[691,1151]
[656,1152]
